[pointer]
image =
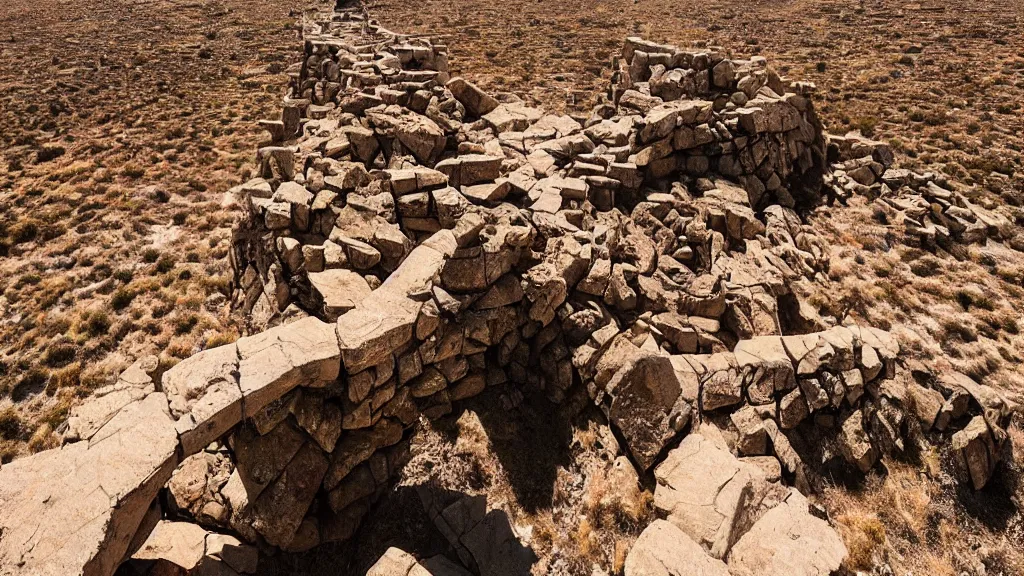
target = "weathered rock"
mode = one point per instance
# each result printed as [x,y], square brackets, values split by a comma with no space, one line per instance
[664,550]
[709,494]
[752,440]
[788,541]
[75,510]
[339,289]
[278,511]
[271,363]
[855,444]
[977,451]
[205,396]
[134,384]
[181,543]
[384,321]
[476,101]
[646,405]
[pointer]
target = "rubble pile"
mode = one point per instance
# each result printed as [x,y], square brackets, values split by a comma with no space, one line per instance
[933,212]
[411,241]
[749,124]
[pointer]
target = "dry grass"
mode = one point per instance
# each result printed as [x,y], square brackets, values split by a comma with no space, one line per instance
[916,525]
[113,244]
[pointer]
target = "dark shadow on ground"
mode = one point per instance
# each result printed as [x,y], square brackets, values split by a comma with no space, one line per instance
[398,519]
[531,440]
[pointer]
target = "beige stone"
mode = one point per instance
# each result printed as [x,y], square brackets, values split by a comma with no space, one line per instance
[788,541]
[181,543]
[271,363]
[76,509]
[204,396]
[664,550]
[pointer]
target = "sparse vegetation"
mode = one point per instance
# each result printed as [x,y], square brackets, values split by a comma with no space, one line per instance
[112,238]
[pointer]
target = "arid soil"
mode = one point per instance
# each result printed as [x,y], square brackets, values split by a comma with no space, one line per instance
[123,122]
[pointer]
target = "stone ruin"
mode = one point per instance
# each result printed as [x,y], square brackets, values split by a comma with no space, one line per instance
[412,241]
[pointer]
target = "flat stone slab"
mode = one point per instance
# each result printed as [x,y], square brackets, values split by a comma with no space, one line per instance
[75,510]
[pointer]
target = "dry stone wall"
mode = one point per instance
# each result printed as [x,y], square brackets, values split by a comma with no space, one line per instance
[412,240]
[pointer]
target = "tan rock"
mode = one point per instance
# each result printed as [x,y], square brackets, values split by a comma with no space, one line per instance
[788,541]
[664,550]
[204,396]
[339,289]
[75,510]
[646,405]
[271,363]
[180,543]
[240,557]
[278,511]
[476,101]
[977,451]
[770,369]
[709,494]
[855,444]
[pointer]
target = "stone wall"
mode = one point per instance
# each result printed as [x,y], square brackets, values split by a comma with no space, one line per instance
[411,241]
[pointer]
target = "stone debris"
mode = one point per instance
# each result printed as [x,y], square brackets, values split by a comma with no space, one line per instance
[664,550]
[788,540]
[933,211]
[195,550]
[410,241]
[711,495]
[395,562]
[483,537]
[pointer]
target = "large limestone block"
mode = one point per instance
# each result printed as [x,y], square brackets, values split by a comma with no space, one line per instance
[278,511]
[476,101]
[722,384]
[271,363]
[241,557]
[418,134]
[384,321]
[710,494]
[854,443]
[977,451]
[339,289]
[514,116]
[664,550]
[646,405]
[496,548]
[132,385]
[75,510]
[788,541]
[204,396]
[769,369]
[260,458]
[358,446]
[180,543]
[369,334]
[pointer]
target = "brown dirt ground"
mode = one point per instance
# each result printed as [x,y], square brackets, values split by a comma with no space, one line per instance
[118,247]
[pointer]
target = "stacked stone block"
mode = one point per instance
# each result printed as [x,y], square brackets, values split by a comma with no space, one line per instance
[411,240]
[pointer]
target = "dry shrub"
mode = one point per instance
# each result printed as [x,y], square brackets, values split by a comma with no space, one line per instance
[222,338]
[864,535]
[8,450]
[622,547]
[586,541]
[67,377]
[617,507]
[43,438]
[10,424]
